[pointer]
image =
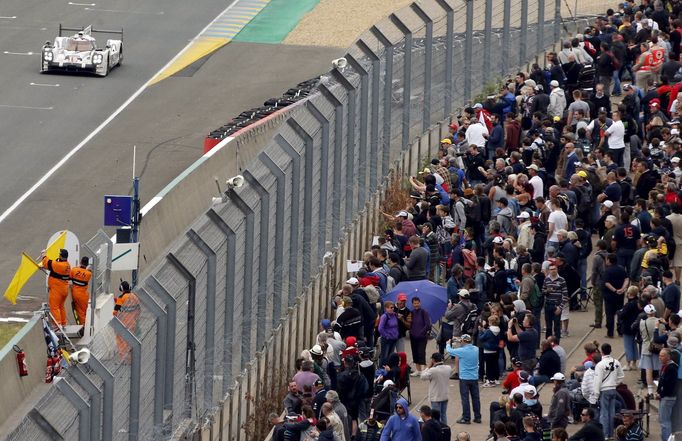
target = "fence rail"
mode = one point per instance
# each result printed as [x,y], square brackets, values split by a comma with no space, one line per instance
[240,293]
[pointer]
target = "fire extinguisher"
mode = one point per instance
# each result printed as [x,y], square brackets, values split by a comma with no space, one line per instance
[21,361]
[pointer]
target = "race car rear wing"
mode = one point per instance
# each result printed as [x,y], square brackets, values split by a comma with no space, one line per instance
[88,30]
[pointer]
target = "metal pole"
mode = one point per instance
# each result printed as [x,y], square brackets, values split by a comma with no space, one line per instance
[428,62]
[557,20]
[134,234]
[524,33]
[541,26]
[407,78]
[487,45]
[506,36]
[469,48]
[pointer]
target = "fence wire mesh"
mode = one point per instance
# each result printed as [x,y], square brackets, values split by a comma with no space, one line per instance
[257,271]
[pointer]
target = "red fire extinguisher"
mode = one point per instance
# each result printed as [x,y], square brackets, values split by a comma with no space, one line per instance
[21,361]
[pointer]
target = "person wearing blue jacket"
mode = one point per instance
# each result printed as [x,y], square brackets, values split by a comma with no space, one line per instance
[401,426]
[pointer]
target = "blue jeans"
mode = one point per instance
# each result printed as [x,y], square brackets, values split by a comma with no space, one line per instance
[582,270]
[387,348]
[442,407]
[631,349]
[607,403]
[537,312]
[616,82]
[552,322]
[665,416]
[466,388]
[537,380]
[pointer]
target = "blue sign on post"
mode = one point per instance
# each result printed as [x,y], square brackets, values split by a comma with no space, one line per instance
[117,210]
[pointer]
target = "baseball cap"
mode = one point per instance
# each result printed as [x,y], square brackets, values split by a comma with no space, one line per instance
[326,323]
[602,110]
[498,240]
[627,87]
[402,213]
[533,167]
[554,83]
[466,337]
[464,293]
[524,376]
[530,83]
[675,158]
[402,297]
[556,119]
[582,174]
[607,203]
[523,215]
[530,389]
[468,192]
[446,141]
[558,377]
[353,281]
[650,309]
[453,126]
[388,383]
[478,106]
[319,382]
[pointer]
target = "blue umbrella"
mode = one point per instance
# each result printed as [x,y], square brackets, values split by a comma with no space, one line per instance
[434,298]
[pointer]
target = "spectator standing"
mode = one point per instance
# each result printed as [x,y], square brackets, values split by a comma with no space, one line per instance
[401,425]
[467,355]
[666,392]
[608,374]
[648,361]
[556,297]
[615,284]
[616,138]
[404,321]
[388,330]
[292,400]
[438,375]
[670,294]
[628,317]
[417,262]
[527,338]
[419,335]
[560,406]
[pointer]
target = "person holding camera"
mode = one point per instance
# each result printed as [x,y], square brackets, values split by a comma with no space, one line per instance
[467,356]
[526,336]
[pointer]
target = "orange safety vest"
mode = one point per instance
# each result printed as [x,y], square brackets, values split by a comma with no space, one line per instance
[657,54]
[60,272]
[127,309]
[80,277]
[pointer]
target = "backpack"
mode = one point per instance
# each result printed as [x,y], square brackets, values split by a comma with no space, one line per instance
[469,259]
[442,235]
[535,297]
[470,322]
[615,62]
[489,286]
[445,432]
[473,212]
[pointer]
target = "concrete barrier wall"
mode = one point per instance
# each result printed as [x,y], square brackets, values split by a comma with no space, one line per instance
[13,388]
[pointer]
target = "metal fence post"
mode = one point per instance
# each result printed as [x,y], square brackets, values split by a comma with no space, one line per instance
[95,400]
[228,330]
[338,151]
[541,26]
[171,309]
[506,36]
[190,352]
[135,368]
[374,121]
[468,48]
[309,171]
[524,33]
[83,409]
[161,329]
[350,142]
[247,293]
[210,313]
[449,36]
[388,93]
[428,63]
[407,78]
[295,157]
[487,45]
[279,232]
[107,397]
[557,20]
[324,176]
[361,158]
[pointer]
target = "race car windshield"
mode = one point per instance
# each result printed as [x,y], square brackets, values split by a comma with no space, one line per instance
[78,45]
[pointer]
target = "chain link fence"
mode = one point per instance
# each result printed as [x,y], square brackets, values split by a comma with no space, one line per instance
[232,302]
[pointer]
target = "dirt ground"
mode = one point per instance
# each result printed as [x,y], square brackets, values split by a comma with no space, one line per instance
[338,23]
[325,26]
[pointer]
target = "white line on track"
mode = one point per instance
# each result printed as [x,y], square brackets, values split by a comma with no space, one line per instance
[8,17]
[43,84]
[121,11]
[82,4]
[106,122]
[18,53]
[9,106]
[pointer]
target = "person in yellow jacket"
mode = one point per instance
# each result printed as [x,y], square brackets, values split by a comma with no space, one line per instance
[80,278]
[59,274]
[127,310]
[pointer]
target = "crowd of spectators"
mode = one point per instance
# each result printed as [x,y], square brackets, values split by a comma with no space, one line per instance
[559,192]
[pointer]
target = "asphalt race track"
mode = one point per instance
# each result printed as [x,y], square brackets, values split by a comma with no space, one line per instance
[40,123]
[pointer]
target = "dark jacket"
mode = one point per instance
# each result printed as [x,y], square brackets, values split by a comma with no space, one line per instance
[591,430]
[431,430]
[533,436]
[628,316]
[349,323]
[421,324]
[328,435]
[352,388]
[368,313]
[646,182]
[667,380]
[549,362]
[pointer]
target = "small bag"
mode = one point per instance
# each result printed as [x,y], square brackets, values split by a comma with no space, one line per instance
[655,348]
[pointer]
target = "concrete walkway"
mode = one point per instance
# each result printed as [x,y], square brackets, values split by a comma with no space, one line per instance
[580,333]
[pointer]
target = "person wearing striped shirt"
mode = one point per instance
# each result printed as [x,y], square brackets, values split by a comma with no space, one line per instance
[556,298]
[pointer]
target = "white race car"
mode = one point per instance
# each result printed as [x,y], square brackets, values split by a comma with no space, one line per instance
[79,52]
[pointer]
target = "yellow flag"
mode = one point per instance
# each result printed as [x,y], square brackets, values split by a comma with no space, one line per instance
[26,269]
[52,251]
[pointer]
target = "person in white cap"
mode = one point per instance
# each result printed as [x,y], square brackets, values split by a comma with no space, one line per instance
[557,100]
[525,236]
[536,181]
[649,361]
[560,406]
